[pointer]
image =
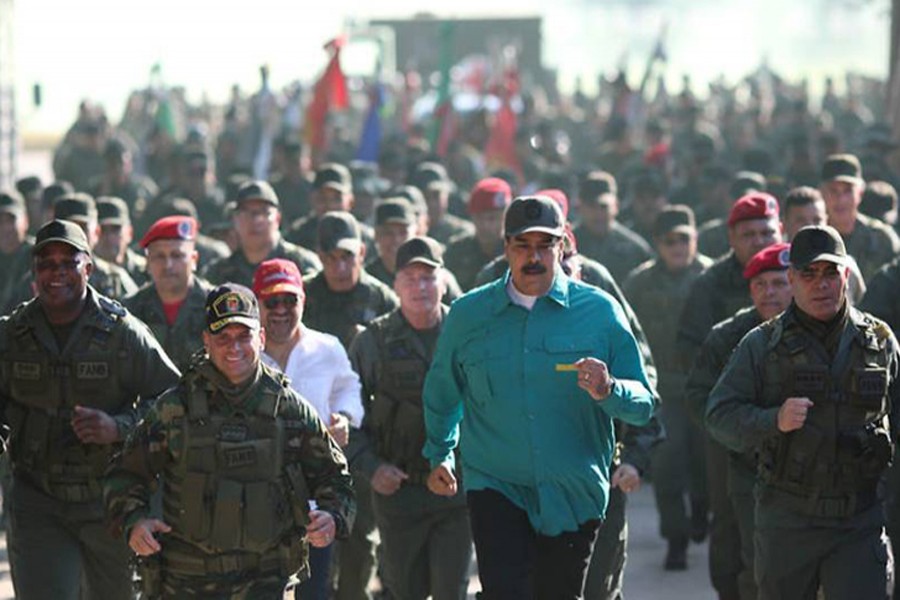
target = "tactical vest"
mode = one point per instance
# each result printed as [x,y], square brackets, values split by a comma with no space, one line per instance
[236,491]
[44,391]
[831,465]
[397,417]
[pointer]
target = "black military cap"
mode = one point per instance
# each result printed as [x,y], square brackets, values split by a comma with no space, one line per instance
[78,207]
[745,182]
[394,210]
[339,229]
[533,213]
[335,176]
[431,175]
[54,191]
[11,203]
[842,167]
[422,250]
[411,194]
[112,211]
[817,242]
[29,185]
[257,190]
[231,303]
[678,218]
[595,185]
[65,232]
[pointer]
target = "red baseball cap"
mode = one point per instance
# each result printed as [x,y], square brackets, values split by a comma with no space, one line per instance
[277,276]
[174,227]
[755,205]
[776,257]
[557,196]
[489,194]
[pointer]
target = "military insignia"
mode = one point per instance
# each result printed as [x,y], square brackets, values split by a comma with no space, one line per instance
[240,457]
[771,204]
[92,370]
[784,257]
[233,432]
[30,371]
[184,230]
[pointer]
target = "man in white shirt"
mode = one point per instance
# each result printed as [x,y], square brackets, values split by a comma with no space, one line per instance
[319,370]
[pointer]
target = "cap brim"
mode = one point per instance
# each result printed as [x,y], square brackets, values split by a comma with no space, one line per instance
[846,179]
[349,244]
[554,231]
[256,199]
[12,210]
[43,244]
[687,229]
[826,256]
[422,260]
[280,288]
[397,220]
[336,186]
[437,184]
[217,326]
[114,221]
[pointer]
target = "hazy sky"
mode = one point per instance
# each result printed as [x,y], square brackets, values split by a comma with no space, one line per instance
[101,49]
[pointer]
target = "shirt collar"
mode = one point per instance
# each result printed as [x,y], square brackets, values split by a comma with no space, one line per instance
[558,292]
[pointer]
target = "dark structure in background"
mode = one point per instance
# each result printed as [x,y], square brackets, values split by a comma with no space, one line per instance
[9,135]
[418,48]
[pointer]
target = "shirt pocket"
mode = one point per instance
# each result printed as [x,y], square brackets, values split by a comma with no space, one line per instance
[485,364]
[566,349]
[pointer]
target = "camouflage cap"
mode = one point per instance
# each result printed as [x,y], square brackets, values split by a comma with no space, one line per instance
[78,207]
[339,229]
[112,211]
[231,303]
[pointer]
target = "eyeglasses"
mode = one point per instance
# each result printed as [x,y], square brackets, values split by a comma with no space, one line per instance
[288,300]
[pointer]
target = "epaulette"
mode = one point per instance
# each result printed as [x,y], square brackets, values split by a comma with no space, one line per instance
[881,329]
[111,307]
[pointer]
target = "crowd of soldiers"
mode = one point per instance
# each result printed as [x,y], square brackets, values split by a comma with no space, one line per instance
[685,215]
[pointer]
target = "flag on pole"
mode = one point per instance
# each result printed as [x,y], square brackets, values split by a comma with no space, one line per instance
[441,126]
[330,93]
[370,140]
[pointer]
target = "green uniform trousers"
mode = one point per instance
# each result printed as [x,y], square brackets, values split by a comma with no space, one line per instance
[741,481]
[606,570]
[426,543]
[63,550]
[795,554]
[724,533]
[355,556]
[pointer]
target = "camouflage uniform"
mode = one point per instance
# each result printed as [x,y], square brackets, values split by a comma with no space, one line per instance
[657,296]
[237,269]
[709,363]
[873,244]
[108,361]
[620,250]
[465,258]
[341,313]
[136,267]
[426,546]
[882,298]
[818,518]
[716,295]
[237,520]
[184,337]
[450,227]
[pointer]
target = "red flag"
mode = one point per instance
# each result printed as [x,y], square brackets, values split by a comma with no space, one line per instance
[500,151]
[329,93]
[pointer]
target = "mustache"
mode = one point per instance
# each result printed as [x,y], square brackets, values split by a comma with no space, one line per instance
[536,269]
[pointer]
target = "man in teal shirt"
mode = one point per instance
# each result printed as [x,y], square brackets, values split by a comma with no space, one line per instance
[529,372]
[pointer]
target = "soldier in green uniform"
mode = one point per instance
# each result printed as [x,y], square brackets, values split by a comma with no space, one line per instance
[115,237]
[882,299]
[257,219]
[426,546]
[600,235]
[466,255]
[120,181]
[771,294]
[814,393]
[209,249]
[432,179]
[332,191]
[15,244]
[340,300]
[173,306]
[657,291]
[716,295]
[76,373]
[869,241]
[248,473]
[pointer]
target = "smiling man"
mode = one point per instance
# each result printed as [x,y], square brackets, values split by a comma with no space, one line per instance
[78,372]
[814,393]
[249,474]
[528,373]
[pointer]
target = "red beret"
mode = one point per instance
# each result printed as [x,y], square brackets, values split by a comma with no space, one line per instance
[175,227]
[755,205]
[776,257]
[489,194]
[557,196]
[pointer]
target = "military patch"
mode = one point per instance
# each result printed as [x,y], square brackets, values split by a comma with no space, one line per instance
[810,380]
[92,370]
[240,457]
[871,382]
[233,432]
[27,370]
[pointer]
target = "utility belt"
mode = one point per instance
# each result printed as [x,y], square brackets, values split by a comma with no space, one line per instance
[416,478]
[69,483]
[180,560]
[815,505]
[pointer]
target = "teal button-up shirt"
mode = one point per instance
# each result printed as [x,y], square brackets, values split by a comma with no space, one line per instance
[526,429]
